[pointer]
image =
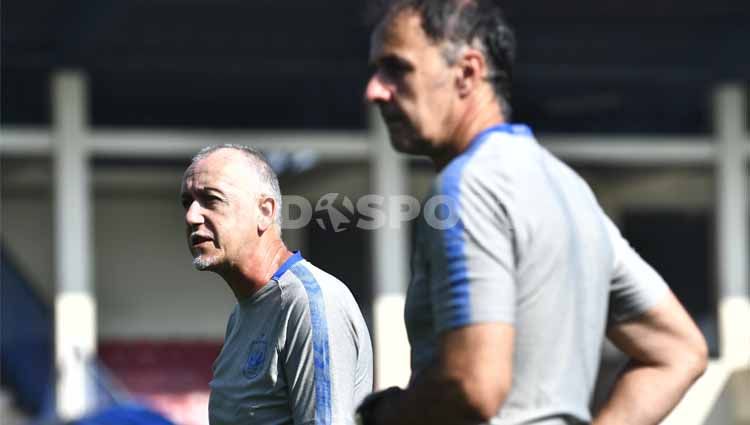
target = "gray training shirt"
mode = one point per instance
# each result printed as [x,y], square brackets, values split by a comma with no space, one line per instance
[297,351]
[530,247]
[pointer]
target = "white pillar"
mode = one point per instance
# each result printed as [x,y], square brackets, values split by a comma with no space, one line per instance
[730,109]
[75,307]
[390,265]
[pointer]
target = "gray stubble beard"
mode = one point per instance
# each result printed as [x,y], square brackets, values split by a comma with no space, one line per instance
[202,263]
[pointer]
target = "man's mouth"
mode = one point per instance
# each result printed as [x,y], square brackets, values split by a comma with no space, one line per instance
[197,239]
[397,124]
[390,114]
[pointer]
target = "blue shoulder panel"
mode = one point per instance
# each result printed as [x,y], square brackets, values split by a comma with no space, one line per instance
[453,237]
[321,356]
[294,259]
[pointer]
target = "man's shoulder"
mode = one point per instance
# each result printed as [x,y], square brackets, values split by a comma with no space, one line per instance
[504,151]
[308,290]
[305,279]
[496,154]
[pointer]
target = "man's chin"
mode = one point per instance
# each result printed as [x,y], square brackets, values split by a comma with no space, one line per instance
[202,263]
[408,145]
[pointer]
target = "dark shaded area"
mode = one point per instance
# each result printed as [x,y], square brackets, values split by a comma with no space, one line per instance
[679,245]
[351,261]
[585,66]
[624,107]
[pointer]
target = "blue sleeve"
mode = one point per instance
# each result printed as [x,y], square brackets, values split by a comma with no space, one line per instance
[472,255]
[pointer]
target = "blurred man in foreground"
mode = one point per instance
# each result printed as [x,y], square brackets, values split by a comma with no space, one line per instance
[507,309]
[297,349]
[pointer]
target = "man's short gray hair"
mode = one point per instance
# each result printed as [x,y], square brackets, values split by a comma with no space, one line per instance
[258,163]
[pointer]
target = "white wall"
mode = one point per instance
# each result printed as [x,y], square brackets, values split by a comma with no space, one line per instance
[145,283]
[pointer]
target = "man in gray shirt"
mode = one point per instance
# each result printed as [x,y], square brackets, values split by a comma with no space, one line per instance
[509,302]
[297,350]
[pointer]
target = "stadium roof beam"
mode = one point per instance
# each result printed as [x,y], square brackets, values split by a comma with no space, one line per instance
[634,150]
[176,143]
[344,146]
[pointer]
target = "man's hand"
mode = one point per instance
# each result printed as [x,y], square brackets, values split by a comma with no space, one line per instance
[668,353]
[367,411]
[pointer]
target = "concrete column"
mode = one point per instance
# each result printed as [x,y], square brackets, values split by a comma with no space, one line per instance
[730,109]
[75,306]
[390,264]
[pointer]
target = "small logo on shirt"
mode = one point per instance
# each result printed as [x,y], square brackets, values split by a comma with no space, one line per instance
[256,359]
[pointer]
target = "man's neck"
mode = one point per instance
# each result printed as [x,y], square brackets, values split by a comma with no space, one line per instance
[479,114]
[255,272]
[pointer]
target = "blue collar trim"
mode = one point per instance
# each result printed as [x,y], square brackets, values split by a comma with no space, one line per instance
[514,129]
[288,264]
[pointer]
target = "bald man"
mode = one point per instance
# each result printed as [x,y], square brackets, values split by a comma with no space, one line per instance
[297,350]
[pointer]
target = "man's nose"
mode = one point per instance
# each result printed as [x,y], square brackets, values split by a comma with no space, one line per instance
[193,214]
[377,90]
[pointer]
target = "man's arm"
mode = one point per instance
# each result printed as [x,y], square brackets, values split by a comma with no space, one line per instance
[472,296]
[668,353]
[467,384]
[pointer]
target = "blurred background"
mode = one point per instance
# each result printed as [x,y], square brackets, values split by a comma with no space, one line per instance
[103,103]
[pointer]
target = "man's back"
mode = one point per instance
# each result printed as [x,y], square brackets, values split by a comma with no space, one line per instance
[532,249]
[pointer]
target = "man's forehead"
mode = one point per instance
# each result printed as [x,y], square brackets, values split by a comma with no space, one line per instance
[220,168]
[395,30]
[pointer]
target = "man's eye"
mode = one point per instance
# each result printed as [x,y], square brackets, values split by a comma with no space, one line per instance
[394,68]
[212,200]
[394,71]
[186,203]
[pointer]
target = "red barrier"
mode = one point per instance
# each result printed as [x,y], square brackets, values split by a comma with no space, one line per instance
[170,376]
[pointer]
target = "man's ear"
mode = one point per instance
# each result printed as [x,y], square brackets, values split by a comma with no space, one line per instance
[472,71]
[266,213]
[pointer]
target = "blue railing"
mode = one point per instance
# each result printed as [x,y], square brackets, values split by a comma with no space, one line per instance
[27,358]
[26,339]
